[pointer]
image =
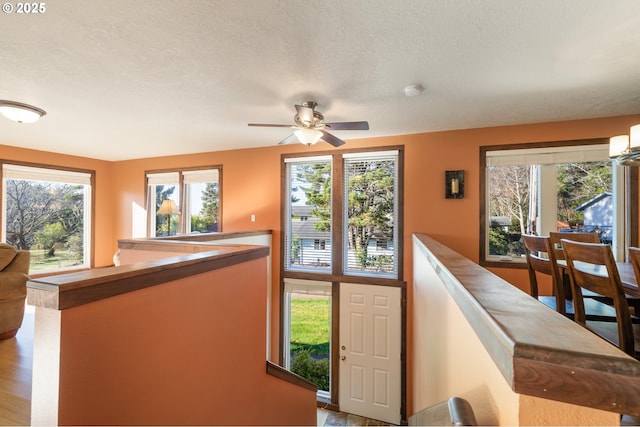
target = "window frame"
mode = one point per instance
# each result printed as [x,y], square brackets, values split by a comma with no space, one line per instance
[336,276]
[338,253]
[313,287]
[184,221]
[89,217]
[627,177]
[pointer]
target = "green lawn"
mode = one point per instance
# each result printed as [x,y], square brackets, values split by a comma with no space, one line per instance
[310,335]
[310,325]
[61,259]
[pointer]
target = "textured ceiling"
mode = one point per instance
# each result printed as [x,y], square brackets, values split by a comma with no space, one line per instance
[124,79]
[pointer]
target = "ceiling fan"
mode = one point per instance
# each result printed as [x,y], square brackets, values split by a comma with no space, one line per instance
[311,128]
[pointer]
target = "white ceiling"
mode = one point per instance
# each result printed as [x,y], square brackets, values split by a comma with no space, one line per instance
[123,79]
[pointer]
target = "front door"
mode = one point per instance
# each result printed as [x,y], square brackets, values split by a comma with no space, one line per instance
[370,344]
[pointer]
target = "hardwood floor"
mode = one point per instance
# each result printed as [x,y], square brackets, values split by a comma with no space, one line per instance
[16,361]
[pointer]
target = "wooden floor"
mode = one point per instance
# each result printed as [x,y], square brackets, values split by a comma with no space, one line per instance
[16,361]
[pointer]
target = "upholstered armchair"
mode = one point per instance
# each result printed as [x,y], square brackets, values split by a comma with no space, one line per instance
[14,273]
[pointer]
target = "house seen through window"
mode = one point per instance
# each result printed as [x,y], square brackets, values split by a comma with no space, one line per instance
[341,219]
[557,188]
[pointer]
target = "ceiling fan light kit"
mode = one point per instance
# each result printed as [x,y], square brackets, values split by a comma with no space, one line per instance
[310,127]
[19,112]
[308,136]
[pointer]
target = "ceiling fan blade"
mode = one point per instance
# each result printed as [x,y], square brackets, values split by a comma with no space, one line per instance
[289,140]
[331,139]
[305,114]
[268,125]
[348,126]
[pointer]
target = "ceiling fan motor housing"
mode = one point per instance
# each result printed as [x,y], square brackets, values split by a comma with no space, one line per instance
[318,118]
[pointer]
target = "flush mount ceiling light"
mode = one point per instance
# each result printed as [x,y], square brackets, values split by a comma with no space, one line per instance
[625,149]
[413,90]
[19,112]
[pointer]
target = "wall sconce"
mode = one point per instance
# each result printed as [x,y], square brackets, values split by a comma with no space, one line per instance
[625,149]
[454,184]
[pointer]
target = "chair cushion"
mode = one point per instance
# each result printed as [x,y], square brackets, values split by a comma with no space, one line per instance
[7,254]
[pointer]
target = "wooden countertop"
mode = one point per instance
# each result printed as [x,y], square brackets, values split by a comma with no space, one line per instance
[73,289]
[538,351]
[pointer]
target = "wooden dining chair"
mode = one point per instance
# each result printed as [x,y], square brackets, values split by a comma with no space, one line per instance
[541,260]
[591,266]
[584,237]
[557,236]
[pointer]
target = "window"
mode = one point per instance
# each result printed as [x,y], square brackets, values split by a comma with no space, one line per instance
[307,313]
[370,191]
[342,218]
[48,212]
[366,222]
[549,188]
[183,201]
[309,196]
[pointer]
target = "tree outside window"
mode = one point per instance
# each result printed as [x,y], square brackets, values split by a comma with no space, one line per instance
[369,192]
[48,216]
[196,196]
[538,190]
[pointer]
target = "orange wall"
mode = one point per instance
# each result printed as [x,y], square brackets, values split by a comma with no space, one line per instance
[181,357]
[251,185]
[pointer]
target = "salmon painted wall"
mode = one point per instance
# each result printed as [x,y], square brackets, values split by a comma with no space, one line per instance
[151,349]
[104,192]
[251,185]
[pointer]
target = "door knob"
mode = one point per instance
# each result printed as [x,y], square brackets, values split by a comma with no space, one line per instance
[343,357]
